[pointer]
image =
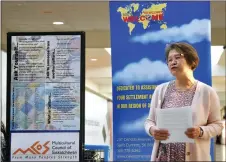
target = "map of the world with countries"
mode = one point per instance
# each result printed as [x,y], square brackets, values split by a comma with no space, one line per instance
[144,15]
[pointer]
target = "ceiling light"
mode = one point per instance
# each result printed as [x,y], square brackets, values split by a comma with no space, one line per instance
[108,50]
[58,23]
[93,59]
[216,52]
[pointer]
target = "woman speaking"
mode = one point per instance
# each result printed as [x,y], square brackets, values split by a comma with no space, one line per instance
[185,90]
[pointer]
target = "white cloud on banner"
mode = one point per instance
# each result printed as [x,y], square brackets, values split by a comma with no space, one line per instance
[143,71]
[134,126]
[194,32]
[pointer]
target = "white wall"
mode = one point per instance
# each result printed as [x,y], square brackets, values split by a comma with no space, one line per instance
[3,67]
[95,115]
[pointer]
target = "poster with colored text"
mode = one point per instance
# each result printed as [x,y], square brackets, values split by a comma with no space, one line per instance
[45,82]
[45,96]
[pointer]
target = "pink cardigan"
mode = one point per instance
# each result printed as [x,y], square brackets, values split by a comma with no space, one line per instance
[206,113]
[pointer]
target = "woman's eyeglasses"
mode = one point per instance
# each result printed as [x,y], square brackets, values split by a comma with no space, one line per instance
[175,57]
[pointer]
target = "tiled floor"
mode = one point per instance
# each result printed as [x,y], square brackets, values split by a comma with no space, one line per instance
[220,152]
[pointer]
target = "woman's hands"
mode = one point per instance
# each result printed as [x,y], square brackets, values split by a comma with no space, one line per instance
[163,134]
[159,134]
[193,132]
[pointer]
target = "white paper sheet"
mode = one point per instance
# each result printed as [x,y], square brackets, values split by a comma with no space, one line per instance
[176,121]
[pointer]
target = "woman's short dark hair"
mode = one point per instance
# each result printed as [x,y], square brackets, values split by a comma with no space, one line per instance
[189,52]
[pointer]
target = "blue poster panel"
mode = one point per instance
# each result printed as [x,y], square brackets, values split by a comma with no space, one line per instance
[45,95]
[140,32]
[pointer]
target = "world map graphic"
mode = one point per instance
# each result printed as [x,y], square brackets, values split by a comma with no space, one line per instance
[136,14]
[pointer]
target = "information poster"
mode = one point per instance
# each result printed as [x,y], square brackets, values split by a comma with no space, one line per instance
[140,32]
[47,85]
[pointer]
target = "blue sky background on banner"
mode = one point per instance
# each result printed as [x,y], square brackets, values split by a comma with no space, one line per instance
[139,58]
[184,28]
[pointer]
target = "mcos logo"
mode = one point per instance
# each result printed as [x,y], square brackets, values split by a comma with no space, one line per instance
[35,149]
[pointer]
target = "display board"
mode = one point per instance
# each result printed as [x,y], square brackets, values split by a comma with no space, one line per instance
[46,96]
[140,32]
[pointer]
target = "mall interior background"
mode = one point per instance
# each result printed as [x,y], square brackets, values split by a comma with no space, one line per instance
[93,18]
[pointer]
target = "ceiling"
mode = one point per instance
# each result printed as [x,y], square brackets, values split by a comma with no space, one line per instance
[93,18]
